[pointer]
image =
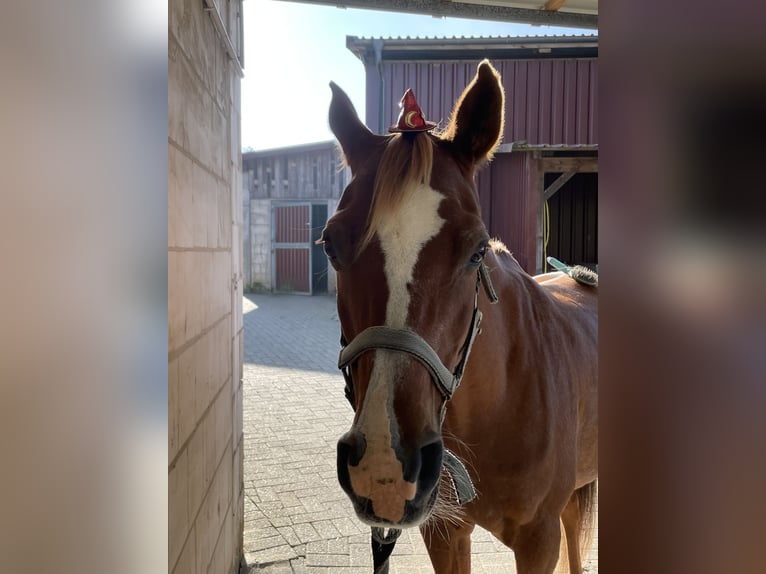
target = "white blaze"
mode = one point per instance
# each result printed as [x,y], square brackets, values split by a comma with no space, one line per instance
[402,238]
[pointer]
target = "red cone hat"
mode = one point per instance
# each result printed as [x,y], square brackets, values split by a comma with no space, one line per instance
[411,117]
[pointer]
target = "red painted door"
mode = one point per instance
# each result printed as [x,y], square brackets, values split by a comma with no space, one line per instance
[291,224]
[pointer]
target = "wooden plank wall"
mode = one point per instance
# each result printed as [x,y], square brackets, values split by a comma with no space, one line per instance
[310,175]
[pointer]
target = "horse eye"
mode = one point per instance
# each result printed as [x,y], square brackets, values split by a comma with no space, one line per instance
[329,250]
[478,257]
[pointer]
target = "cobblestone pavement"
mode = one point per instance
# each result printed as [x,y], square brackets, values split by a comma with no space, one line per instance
[297,518]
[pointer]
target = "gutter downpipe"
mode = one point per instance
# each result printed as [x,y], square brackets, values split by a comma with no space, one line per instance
[377,46]
[215,15]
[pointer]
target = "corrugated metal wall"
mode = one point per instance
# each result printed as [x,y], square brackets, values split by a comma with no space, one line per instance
[509,204]
[292,224]
[547,101]
[292,270]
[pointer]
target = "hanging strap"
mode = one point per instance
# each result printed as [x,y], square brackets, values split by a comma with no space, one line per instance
[488,287]
[461,480]
[382,546]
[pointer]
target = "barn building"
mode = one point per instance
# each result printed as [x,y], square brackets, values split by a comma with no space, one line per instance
[539,195]
[288,195]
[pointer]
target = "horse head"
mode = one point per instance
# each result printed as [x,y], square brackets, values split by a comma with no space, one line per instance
[407,242]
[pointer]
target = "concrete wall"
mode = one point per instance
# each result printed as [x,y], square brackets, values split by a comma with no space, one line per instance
[247,255]
[205,489]
[260,243]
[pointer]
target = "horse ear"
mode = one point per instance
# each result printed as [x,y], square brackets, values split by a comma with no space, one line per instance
[352,134]
[476,125]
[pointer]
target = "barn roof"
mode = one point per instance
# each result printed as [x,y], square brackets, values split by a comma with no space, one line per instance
[460,48]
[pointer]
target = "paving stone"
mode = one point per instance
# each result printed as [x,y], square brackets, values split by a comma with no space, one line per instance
[299,566]
[271,555]
[289,535]
[306,532]
[360,554]
[347,526]
[325,529]
[335,560]
[278,568]
[264,542]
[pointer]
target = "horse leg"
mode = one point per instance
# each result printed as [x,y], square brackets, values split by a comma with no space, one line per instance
[577,518]
[536,546]
[571,521]
[449,546]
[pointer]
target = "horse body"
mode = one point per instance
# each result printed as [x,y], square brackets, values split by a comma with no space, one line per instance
[409,246]
[525,418]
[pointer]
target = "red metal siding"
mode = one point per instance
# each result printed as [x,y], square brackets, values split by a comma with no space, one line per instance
[293,270]
[547,101]
[509,204]
[292,224]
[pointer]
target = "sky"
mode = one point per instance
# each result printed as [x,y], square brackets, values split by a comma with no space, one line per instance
[293,51]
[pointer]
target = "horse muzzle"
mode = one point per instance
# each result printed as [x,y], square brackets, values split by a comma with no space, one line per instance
[389,486]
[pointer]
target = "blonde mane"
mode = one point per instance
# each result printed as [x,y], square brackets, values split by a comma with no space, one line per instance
[406,164]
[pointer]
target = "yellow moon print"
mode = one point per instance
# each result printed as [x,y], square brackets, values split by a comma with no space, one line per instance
[408,119]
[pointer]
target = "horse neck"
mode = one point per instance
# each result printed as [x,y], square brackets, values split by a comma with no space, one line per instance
[520,326]
[503,362]
[523,304]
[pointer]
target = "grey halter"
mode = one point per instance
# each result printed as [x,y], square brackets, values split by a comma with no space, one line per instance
[404,341]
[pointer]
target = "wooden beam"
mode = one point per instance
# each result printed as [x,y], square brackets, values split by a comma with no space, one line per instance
[567,164]
[558,184]
[467,9]
[535,206]
[553,4]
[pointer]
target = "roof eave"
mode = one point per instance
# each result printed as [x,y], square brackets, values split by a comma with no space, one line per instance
[467,48]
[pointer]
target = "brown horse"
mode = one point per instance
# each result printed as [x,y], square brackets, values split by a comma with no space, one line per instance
[414,261]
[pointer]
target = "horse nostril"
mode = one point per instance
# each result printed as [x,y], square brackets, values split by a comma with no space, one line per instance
[351,447]
[430,464]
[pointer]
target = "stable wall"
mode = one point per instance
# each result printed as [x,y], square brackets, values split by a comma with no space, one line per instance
[205,489]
